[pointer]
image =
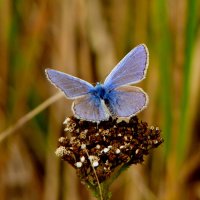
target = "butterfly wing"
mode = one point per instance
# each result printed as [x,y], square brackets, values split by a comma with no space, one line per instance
[90,108]
[73,87]
[127,101]
[131,69]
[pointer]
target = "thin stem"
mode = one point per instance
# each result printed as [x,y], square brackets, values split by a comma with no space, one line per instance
[10,130]
[100,191]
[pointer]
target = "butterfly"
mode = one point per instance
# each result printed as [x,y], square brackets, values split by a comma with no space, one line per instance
[115,97]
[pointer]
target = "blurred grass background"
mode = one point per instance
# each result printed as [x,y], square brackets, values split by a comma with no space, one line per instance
[86,38]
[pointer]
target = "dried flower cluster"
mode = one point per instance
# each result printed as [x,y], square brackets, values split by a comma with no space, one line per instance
[105,146]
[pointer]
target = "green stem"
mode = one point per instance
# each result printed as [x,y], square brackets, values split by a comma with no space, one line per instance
[116,174]
[104,195]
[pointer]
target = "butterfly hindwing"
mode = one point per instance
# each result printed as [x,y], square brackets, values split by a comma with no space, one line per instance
[126,101]
[91,108]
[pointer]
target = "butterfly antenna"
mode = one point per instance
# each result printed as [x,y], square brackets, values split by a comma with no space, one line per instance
[99,186]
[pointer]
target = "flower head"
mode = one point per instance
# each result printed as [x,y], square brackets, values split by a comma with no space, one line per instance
[105,146]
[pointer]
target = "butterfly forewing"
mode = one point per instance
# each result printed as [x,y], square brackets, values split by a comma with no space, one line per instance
[90,108]
[73,87]
[127,101]
[131,69]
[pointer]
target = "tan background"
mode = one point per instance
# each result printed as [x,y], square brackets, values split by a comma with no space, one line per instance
[87,38]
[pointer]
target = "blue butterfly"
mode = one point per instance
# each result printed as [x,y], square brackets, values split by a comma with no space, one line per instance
[112,98]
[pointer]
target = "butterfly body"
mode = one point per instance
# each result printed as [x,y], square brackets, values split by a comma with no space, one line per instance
[115,97]
[99,91]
